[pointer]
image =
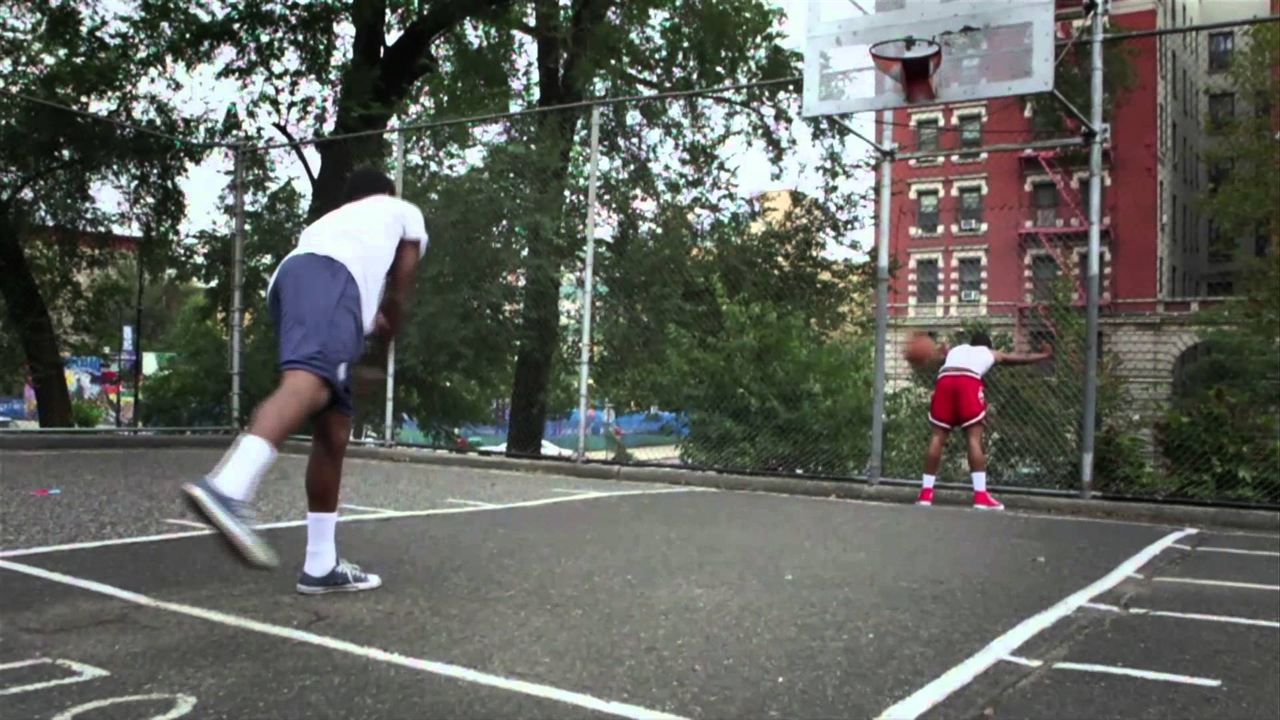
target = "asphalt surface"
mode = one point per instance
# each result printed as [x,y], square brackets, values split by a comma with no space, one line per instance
[696,604]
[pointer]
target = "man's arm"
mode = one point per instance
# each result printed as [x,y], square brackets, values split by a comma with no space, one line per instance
[1005,358]
[399,284]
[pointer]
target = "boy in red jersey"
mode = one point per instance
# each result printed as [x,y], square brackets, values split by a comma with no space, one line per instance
[958,402]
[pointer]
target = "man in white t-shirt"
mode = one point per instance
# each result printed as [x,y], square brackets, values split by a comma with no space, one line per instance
[959,403]
[324,298]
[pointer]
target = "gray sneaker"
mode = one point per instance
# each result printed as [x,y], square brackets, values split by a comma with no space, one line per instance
[234,519]
[344,577]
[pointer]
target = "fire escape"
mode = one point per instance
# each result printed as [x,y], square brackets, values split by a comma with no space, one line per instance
[1061,230]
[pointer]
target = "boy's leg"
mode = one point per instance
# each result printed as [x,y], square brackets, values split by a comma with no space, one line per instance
[932,461]
[323,571]
[978,469]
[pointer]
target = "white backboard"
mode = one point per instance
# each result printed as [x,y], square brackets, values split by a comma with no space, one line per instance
[991,48]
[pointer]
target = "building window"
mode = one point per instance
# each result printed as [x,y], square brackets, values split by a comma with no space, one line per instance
[1261,241]
[1177,159]
[927,135]
[1219,172]
[926,282]
[970,279]
[927,212]
[1222,108]
[1173,220]
[1220,288]
[1044,272]
[1174,83]
[1222,45]
[1220,250]
[1082,267]
[971,131]
[1186,92]
[970,209]
[1046,204]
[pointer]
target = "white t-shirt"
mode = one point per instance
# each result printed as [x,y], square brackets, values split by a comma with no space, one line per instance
[363,235]
[973,358]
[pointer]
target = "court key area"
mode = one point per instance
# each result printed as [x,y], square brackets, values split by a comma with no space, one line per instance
[539,596]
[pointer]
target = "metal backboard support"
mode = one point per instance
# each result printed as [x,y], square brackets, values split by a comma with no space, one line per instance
[990,49]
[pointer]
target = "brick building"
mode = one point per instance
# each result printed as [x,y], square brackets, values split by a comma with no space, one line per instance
[979,234]
[988,235]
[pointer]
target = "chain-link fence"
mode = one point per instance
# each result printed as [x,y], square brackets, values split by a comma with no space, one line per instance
[733,300]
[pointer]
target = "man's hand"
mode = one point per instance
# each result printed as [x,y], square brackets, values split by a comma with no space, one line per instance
[382,327]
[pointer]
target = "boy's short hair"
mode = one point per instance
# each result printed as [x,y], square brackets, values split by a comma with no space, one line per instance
[366,182]
[980,339]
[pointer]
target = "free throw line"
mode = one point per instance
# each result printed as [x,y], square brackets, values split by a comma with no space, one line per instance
[18,552]
[433,667]
[366,508]
[919,702]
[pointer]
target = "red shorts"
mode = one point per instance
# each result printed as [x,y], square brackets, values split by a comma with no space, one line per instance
[957,401]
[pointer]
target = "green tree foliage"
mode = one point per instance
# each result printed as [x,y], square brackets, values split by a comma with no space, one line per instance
[55,166]
[1220,438]
[1246,202]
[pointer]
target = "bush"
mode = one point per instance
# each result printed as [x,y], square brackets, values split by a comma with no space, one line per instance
[86,413]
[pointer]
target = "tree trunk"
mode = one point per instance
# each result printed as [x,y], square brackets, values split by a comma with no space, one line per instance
[562,78]
[29,316]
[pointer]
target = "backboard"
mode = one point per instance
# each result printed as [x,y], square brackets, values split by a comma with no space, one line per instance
[991,48]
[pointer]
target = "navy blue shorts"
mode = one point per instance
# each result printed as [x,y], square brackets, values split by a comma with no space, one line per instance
[315,305]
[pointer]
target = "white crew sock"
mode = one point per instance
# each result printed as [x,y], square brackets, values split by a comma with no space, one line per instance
[929,480]
[980,481]
[238,473]
[322,552]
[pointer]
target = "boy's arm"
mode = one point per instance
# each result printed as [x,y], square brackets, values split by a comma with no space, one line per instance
[399,284]
[1005,358]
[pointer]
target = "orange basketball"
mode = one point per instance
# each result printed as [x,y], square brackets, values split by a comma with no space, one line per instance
[919,349]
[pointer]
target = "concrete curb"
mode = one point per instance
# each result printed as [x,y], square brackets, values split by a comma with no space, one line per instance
[1123,510]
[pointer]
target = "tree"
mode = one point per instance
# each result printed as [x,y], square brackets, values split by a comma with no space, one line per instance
[54,165]
[1243,149]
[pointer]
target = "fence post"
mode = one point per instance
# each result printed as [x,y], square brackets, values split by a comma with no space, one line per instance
[876,465]
[237,283]
[584,370]
[389,415]
[1089,419]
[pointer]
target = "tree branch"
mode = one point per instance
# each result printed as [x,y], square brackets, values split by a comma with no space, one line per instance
[408,58]
[369,17]
[588,16]
[297,150]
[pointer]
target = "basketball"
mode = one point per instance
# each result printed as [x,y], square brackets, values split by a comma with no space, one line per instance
[919,349]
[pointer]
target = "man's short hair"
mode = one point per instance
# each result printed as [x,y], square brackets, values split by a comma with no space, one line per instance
[366,182]
[980,339]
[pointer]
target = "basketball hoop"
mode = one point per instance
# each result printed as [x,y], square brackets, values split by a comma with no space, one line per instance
[911,62]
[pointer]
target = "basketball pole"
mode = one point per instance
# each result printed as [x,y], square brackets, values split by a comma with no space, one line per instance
[876,465]
[1100,132]
[588,288]
[237,281]
[389,416]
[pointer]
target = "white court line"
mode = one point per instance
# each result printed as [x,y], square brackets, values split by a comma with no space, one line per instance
[1218,583]
[83,672]
[1231,551]
[575,492]
[366,508]
[473,503]
[18,552]
[1185,616]
[187,523]
[1025,662]
[1134,672]
[1115,670]
[939,689]
[456,672]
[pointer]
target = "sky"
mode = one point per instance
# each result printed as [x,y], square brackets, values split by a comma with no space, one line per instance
[205,182]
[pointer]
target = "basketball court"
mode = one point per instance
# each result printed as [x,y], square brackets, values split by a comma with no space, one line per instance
[510,595]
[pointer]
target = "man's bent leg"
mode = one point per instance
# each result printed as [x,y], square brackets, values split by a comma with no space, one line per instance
[323,572]
[223,497]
